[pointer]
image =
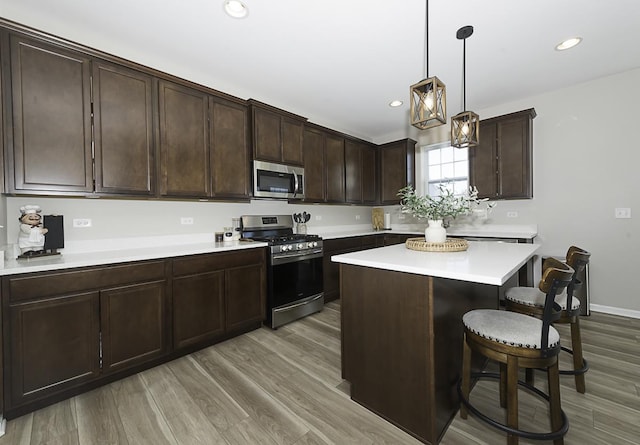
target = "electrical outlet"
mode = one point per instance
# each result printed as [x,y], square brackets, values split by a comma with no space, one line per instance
[81,222]
[623,212]
[512,214]
[318,217]
[357,217]
[186,220]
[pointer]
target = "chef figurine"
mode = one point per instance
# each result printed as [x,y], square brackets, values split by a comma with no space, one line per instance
[31,236]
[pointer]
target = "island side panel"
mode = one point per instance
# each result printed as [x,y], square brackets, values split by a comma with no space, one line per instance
[387,333]
[451,300]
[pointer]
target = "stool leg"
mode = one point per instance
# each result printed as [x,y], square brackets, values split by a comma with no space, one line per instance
[503,385]
[512,398]
[528,376]
[578,359]
[466,375]
[553,375]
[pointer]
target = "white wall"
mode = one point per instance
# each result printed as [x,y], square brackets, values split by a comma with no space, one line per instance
[117,218]
[586,158]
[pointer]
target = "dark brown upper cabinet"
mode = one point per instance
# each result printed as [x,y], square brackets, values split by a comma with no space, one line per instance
[500,166]
[397,169]
[360,173]
[204,149]
[334,152]
[277,134]
[123,130]
[184,141]
[230,158]
[2,185]
[315,172]
[51,118]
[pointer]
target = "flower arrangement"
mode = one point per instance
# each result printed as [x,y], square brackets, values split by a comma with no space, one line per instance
[447,205]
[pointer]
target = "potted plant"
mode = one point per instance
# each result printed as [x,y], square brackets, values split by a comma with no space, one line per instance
[435,209]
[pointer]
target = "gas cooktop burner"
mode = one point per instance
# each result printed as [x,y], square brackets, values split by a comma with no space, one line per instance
[281,239]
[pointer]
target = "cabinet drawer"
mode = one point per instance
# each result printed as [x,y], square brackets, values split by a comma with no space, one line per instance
[216,261]
[45,285]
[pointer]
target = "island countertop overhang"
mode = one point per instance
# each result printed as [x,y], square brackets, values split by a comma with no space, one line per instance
[486,263]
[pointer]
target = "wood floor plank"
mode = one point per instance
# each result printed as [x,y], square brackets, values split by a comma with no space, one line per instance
[248,431]
[180,411]
[278,421]
[217,405]
[18,431]
[142,420]
[98,418]
[56,424]
[311,438]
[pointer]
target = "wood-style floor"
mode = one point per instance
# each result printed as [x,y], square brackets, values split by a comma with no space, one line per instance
[284,387]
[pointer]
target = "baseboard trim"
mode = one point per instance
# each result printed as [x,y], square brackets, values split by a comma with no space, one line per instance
[615,311]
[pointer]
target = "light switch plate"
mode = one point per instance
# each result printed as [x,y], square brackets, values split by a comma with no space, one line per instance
[82,222]
[623,212]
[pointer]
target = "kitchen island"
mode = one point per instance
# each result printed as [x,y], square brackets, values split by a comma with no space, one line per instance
[402,326]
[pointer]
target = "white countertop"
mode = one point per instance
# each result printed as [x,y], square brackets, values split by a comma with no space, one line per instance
[96,258]
[487,263]
[515,231]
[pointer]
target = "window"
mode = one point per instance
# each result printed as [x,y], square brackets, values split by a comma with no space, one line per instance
[442,164]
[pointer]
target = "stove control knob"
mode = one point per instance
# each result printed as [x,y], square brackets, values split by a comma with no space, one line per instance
[285,248]
[313,244]
[300,246]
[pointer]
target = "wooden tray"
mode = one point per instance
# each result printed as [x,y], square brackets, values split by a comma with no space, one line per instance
[450,245]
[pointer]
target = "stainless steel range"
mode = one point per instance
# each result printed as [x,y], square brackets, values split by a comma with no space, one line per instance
[294,272]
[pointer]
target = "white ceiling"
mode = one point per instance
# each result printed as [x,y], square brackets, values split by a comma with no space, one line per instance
[340,62]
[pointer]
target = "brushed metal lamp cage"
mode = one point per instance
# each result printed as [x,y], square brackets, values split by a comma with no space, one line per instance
[429,96]
[465,126]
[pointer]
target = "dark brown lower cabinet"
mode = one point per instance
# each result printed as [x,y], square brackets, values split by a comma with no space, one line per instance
[337,246]
[215,295]
[133,323]
[64,332]
[53,345]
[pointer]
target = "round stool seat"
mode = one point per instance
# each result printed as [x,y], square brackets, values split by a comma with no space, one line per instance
[509,328]
[532,296]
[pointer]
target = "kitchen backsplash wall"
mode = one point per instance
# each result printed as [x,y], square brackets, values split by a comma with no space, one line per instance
[112,218]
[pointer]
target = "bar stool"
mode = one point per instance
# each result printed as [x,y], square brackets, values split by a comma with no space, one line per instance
[530,301]
[518,341]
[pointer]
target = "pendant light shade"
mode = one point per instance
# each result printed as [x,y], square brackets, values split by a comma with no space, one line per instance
[465,126]
[429,96]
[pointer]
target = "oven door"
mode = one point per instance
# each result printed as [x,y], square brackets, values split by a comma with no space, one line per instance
[295,287]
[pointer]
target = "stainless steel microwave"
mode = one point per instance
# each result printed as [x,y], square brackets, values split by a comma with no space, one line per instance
[271,180]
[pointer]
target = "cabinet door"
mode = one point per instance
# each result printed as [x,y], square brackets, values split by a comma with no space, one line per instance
[184,141]
[267,136]
[514,157]
[353,172]
[397,169]
[245,296]
[133,324]
[334,149]
[292,141]
[54,345]
[198,308]
[369,176]
[314,166]
[51,114]
[2,186]
[123,128]
[483,168]
[229,149]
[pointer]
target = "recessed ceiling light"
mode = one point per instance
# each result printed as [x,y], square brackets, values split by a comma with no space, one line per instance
[395,103]
[235,9]
[569,43]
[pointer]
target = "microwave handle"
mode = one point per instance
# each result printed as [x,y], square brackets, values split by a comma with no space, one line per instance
[296,185]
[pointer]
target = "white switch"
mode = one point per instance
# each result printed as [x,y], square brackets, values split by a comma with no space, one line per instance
[357,217]
[318,217]
[623,212]
[81,222]
[186,220]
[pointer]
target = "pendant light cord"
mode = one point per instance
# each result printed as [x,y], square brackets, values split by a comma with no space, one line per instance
[464,74]
[426,41]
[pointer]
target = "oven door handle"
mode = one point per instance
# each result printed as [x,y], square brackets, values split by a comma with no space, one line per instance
[284,259]
[302,303]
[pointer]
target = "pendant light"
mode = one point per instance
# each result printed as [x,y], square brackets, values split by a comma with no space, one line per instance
[428,97]
[465,126]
